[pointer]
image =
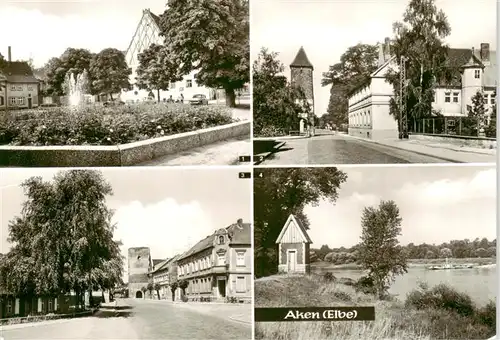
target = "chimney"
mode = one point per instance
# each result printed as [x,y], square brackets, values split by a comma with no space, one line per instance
[387,48]
[9,54]
[485,52]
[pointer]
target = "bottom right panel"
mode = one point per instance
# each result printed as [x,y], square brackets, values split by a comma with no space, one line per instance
[385,252]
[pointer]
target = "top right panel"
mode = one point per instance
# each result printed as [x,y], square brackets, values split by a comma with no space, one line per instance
[374,82]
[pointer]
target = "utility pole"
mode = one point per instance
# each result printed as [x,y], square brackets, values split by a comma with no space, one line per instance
[403,116]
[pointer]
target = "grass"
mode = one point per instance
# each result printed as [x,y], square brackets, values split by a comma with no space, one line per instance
[430,315]
[98,125]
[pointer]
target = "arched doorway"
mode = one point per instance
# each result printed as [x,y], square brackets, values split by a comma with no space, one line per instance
[138,295]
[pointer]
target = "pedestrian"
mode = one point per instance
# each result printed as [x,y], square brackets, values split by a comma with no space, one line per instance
[182,98]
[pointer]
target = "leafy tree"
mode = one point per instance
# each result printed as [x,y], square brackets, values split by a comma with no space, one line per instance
[144,290]
[73,60]
[280,192]
[3,62]
[173,288]
[420,39]
[276,104]
[211,37]
[430,254]
[109,72]
[183,284]
[63,238]
[150,288]
[157,288]
[353,70]
[156,71]
[445,252]
[380,252]
[476,114]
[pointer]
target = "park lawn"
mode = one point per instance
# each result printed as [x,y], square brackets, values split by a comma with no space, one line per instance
[98,125]
[393,320]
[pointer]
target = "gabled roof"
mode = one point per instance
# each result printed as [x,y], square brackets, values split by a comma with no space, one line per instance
[238,236]
[156,21]
[292,220]
[301,59]
[165,263]
[19,72]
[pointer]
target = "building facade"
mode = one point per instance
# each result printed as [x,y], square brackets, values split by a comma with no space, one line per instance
[474,70]
[20,87]
[219,266]
[140,265]
[146,34]
[301,76]
[162,275]
[294,246]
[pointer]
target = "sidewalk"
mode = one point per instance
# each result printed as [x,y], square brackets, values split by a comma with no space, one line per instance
[448,152]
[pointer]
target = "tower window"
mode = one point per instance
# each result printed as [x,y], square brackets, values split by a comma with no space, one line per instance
[477,74]
[221,239]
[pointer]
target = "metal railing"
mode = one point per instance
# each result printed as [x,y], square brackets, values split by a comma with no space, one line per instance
[456,126]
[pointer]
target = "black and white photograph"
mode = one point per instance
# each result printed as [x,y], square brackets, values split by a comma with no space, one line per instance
[373,82]
[117,254]
[97,83]
[417,243]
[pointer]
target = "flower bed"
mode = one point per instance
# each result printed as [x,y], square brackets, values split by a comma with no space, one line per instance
[97,125]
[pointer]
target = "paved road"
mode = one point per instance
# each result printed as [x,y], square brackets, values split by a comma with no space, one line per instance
[338,149]
[146,320]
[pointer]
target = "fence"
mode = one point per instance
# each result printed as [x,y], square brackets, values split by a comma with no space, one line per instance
[458,126]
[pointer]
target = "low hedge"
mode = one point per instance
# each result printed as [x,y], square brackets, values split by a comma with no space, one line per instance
[97,125]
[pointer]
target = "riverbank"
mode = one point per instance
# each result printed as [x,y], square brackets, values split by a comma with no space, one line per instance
[417,319]
[476,261]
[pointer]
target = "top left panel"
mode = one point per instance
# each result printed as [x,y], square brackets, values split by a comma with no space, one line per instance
[114,83]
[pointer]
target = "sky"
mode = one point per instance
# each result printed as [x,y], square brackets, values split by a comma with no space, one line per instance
[167,209]
[44,29]
[326,28]
[437,204]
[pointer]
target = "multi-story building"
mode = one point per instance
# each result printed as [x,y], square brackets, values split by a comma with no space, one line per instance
[219,266]
[164,274]
[146,34]
[473,70]
[140,264]
[20,87]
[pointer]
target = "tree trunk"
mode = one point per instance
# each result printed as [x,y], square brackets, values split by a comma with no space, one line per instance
[173,295]
[158,93]
[111,96]
[158,293]
[230,98]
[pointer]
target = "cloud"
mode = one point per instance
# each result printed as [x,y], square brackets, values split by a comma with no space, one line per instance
[166,227]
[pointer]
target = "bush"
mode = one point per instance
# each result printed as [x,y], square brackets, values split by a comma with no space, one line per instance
[184,298]
[488,315]
[93,125]
[329,277]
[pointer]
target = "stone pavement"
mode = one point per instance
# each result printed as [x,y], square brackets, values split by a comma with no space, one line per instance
[445,151]
[221,153]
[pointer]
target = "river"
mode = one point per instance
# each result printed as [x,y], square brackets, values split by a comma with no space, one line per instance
[479,283]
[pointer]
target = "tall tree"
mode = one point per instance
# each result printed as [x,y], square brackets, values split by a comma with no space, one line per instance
[211,37]
[280,192]
[276,106]
[355,66]
[73,60]
[379,251]
[420,39]
[109,72]
[63,238]
[155,71]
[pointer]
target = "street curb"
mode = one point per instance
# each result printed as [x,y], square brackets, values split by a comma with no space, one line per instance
[403,149]
[279,138]
[264,156]
[118,155]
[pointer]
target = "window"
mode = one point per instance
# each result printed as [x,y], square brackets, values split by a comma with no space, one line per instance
[455,97]
[477,74]
[189,83]
[240,258]
[20,100]
[30,88]
[492,100]
[19,88]
[50,306]
[172,86]
[12,100]
[13,88]
[221,260]
[221,239]
[447,98]
[9,306]
[240,284]
[486,99]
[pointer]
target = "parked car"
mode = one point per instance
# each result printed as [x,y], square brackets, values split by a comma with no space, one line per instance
[199,99]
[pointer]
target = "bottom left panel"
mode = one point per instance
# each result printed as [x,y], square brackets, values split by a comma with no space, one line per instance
[116,253]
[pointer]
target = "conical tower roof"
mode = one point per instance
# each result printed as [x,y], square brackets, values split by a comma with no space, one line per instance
[301,59]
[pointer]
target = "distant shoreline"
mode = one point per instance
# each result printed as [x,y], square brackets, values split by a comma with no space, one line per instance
[488,262]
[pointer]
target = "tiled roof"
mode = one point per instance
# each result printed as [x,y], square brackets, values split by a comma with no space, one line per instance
[238,236]
[165,263]
[157,261]
[156,18]
[19,72]
[301,59]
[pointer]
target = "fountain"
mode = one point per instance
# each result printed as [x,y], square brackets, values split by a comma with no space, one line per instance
[76,87]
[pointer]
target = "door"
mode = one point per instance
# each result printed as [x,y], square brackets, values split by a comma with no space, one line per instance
[222,287]
[292,260]
[30,103]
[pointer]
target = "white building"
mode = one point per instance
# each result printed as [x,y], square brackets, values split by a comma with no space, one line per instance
[369,104]
[147,33]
